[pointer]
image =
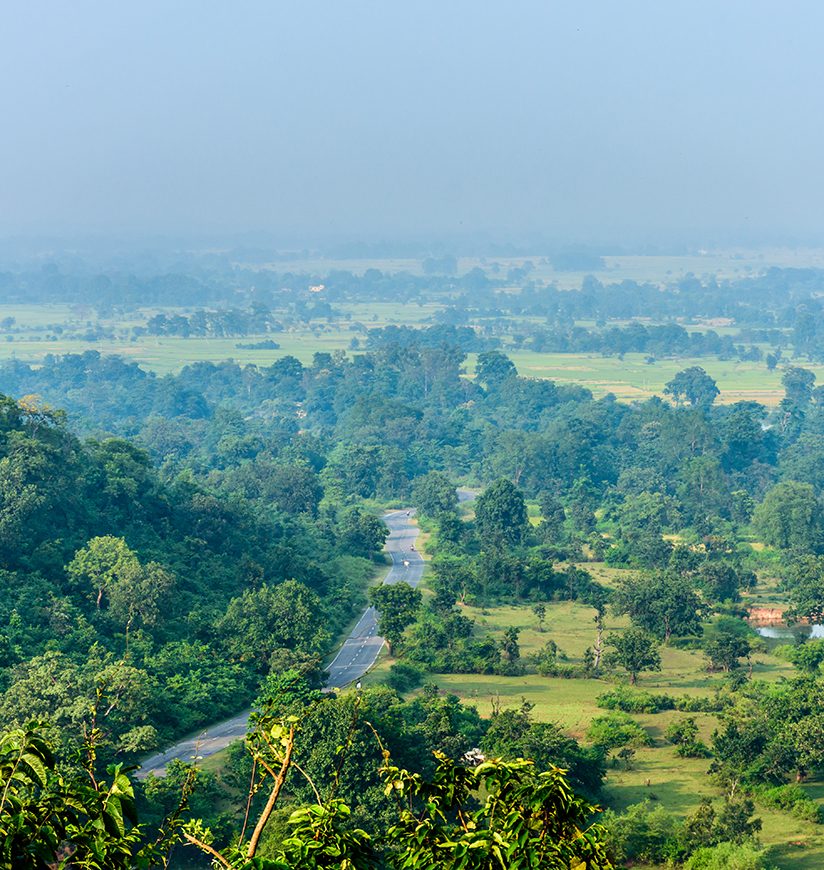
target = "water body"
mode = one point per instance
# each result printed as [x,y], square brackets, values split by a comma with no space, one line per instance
[790,633]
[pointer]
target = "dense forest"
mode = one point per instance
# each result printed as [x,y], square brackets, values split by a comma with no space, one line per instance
[176,547]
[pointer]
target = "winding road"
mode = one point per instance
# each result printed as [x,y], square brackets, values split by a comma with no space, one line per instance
[357,654]
[361,649]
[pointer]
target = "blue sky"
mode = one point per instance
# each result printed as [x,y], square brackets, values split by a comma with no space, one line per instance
[592,122]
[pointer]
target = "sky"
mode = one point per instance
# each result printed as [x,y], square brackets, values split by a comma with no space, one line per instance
[575,122]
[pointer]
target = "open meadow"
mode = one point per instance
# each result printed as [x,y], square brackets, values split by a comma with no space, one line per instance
[656,772]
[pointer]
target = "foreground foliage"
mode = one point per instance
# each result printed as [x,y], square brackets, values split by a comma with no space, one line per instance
[491,814]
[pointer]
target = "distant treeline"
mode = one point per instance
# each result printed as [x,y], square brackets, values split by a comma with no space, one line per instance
[467,339]
[668,340]
[785,299]
[218,324]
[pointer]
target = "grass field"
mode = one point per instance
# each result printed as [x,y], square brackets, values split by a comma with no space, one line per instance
[657,773]
[628,379]
[631,378]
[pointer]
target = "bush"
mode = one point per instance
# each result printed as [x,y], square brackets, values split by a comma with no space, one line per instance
[727,856]
[634,701]
[697,704]
[639,701]
[510,669]
[615,730]
[682,731]
[404,676]
[693,749]
[641,833]
[792,799]
[684,735]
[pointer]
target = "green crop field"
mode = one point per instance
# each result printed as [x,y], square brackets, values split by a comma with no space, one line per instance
[631,378]
[627,379]
[39,330]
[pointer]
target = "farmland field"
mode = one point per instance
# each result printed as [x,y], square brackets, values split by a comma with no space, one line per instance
[631,378]
[38,333]
[657,269]
[39,330]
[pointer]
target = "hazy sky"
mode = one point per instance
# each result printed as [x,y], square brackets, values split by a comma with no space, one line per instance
[577,121]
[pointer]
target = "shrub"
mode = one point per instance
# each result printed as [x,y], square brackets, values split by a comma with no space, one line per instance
[641,833]
[615,730]
[684,735]
[697,704]
[634,701]
[682,731]
[694,749]
[792,799]
[727,856]
[404,676]
[639,701]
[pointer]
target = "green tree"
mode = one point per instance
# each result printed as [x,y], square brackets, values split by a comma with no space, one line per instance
[721,581]
[260,621]
[397,605]
[682,731]
[728,856]
[808,656]
[103,563]
[527,819]
[500,515]
[804,583]
[509,644]
[361,533]
[49,819]
[693,385]
[494,369]
[141,597]
[790,517]
[552,524]
[635,651]
[725,650]
[295,489]
[513,734]
[798,386]
[662,603]
[453,580]
[616,729]
[434,494]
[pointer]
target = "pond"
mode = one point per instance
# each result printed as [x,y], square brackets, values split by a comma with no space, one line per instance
[789,633]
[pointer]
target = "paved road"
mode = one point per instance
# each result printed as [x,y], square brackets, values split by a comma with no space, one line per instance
[362,647]
[356,656]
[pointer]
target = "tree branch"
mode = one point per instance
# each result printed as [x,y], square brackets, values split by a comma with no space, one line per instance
[206,848]
[270,804]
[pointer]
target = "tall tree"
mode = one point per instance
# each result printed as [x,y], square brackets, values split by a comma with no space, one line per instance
[397,605]
[694,386]
[494,369]
[803,581]
[500,515]
[434,493]
[790,517]
[103,563]
[662,603]
[261,621]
